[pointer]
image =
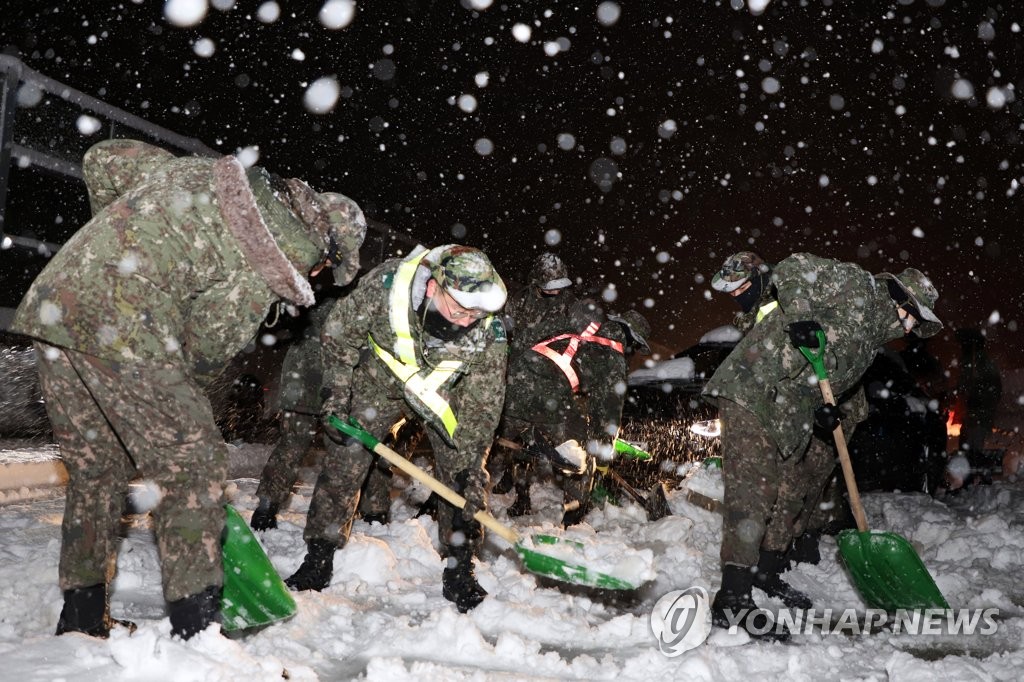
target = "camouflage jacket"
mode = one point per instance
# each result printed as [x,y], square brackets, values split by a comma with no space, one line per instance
[767,375]
[302,370]
[538,390]
[477,394]
[180,263]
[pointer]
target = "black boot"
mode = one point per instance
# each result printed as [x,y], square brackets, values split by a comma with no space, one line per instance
[506,482]
[769,578]
[194,613]
[734,605]
[383,518]
[458,581]
[85,610]
[522,505]
[316,569]
[265,516]
[805,549]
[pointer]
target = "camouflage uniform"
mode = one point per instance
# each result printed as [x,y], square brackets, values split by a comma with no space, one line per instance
[539,395]
[138,312]
[299,403]
[829,505]
[360,384]
[766,389]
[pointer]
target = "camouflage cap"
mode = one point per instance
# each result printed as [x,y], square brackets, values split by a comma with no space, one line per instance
[637,326]
[347,229]
[737,269]
[337,220]
[468,276]
[923,296]
[549,273]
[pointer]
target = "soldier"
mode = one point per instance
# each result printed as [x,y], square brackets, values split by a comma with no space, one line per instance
[133,317]
[299,402]
[417,338]
[747,278]
[775,429]
[555,402]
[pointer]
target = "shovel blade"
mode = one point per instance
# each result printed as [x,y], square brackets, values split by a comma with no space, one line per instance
[561,559]
[887,571]
[254,594]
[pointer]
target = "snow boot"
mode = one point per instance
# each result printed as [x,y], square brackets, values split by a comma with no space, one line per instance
[194,613]
[429,506]
[458,581]
[316,569]
[804,549]
[769,578]
[87,610]
[734,605]
[265,516]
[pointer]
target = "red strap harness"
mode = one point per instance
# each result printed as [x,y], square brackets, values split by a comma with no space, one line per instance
[564,359]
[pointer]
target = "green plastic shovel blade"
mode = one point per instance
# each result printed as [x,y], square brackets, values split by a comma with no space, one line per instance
[556,565]
[254,594]
[887,571]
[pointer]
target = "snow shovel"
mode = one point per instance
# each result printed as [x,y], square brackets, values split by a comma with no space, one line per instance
[886,570]
[254,594]
[544,555]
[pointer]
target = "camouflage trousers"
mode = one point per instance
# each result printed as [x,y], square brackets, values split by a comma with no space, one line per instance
[282,469]
[768,499]
[575,489]
[345,469]
[298,432]
[115,422]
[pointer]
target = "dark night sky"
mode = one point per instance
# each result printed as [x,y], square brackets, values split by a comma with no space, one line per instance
[858,149]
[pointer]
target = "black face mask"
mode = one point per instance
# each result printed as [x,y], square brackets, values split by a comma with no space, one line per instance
[435,324]
[747,301]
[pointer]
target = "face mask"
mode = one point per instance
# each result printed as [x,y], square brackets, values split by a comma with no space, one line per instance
[435,324]
[747,301]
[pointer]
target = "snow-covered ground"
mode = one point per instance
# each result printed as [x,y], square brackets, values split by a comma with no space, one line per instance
[383,617]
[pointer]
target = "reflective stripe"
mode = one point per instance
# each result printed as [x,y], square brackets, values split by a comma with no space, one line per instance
[563,360]
[398,308]
[763,311]
[424,386]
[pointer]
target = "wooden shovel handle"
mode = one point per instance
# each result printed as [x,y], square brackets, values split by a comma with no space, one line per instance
[844,460]
[444,491]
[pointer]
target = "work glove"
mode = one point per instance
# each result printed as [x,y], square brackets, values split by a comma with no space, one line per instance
[804,333]
[827,418]
[340,411]
[472,485]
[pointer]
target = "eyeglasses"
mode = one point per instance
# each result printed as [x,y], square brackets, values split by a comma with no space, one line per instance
[458,312]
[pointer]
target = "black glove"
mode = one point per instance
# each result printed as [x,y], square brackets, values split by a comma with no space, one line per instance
[804,333]
[472,485]
[339,437]
[827,418]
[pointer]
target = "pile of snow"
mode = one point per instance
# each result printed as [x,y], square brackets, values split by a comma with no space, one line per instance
[383,616]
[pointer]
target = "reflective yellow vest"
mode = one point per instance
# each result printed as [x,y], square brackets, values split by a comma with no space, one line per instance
[422,384]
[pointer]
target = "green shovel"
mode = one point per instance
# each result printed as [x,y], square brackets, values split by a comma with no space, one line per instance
[886,570]
[254,594]
[545,555]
